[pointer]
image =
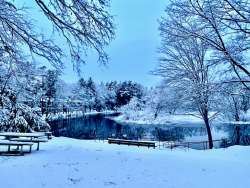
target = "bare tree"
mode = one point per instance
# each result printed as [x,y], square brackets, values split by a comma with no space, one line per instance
[184,66]
[221,24]
[83,23]
[235,101]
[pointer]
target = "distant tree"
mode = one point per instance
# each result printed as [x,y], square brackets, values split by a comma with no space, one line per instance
[163,99]
[235,101]
[155,101]
[85,94]
[50,91]
[126,91]
[133,108]
[110,95]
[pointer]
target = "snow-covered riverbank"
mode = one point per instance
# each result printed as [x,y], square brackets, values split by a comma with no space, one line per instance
[145,117]
[76,114]
[142,118]
[66,163]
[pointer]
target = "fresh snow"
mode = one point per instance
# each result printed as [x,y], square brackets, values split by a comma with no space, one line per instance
[70,163]
[75,114]
[142,118]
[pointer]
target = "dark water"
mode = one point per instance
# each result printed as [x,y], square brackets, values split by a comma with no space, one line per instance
[100,127]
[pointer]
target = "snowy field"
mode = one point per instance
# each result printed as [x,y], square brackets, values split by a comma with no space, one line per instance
[65,163]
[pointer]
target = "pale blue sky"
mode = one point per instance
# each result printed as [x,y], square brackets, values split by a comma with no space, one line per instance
[133,52]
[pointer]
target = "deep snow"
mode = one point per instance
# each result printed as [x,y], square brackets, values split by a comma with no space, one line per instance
[64,163]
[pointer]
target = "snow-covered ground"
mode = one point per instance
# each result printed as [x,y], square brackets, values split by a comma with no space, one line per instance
[147,118]
[69,163]
[75,114]
[141,117]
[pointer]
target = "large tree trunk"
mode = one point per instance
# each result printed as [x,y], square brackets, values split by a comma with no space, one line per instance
[209,134]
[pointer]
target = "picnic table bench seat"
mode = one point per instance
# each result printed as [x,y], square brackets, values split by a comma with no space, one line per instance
[16,143]
[34,140]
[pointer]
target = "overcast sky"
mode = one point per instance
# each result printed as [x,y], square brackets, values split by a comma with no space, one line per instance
[133,52]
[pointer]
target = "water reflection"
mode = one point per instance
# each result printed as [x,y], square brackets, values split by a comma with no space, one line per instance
[99,127]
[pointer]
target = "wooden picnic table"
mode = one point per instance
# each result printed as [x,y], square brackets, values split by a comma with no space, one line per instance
[35,137]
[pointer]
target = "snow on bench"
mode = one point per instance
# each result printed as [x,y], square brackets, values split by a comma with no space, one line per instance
[132,142]
[34,137]
[34,134]
[15,134]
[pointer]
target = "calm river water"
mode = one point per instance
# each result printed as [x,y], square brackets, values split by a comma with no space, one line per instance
[102,127]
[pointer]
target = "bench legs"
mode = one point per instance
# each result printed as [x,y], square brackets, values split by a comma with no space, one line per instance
[21,151]
[37,146]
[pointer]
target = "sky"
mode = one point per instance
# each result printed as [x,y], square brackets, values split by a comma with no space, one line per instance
[133,53]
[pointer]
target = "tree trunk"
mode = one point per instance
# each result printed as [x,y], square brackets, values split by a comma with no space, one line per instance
[209,134]
[236,114]
[237,135]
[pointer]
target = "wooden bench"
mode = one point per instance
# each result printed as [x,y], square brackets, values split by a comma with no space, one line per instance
[34,140]
[17,144]
[132,142]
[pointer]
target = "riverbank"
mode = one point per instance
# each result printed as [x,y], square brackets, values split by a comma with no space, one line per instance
[75,114]
[148,118]
[66,163]
[141,118]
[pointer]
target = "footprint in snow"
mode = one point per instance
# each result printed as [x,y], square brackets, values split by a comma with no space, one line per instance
[110,183]
[74,180]
[45,165]
[67,148]
[76,169]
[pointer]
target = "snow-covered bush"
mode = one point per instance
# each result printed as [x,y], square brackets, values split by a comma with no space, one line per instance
[18,117]
[133,110]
